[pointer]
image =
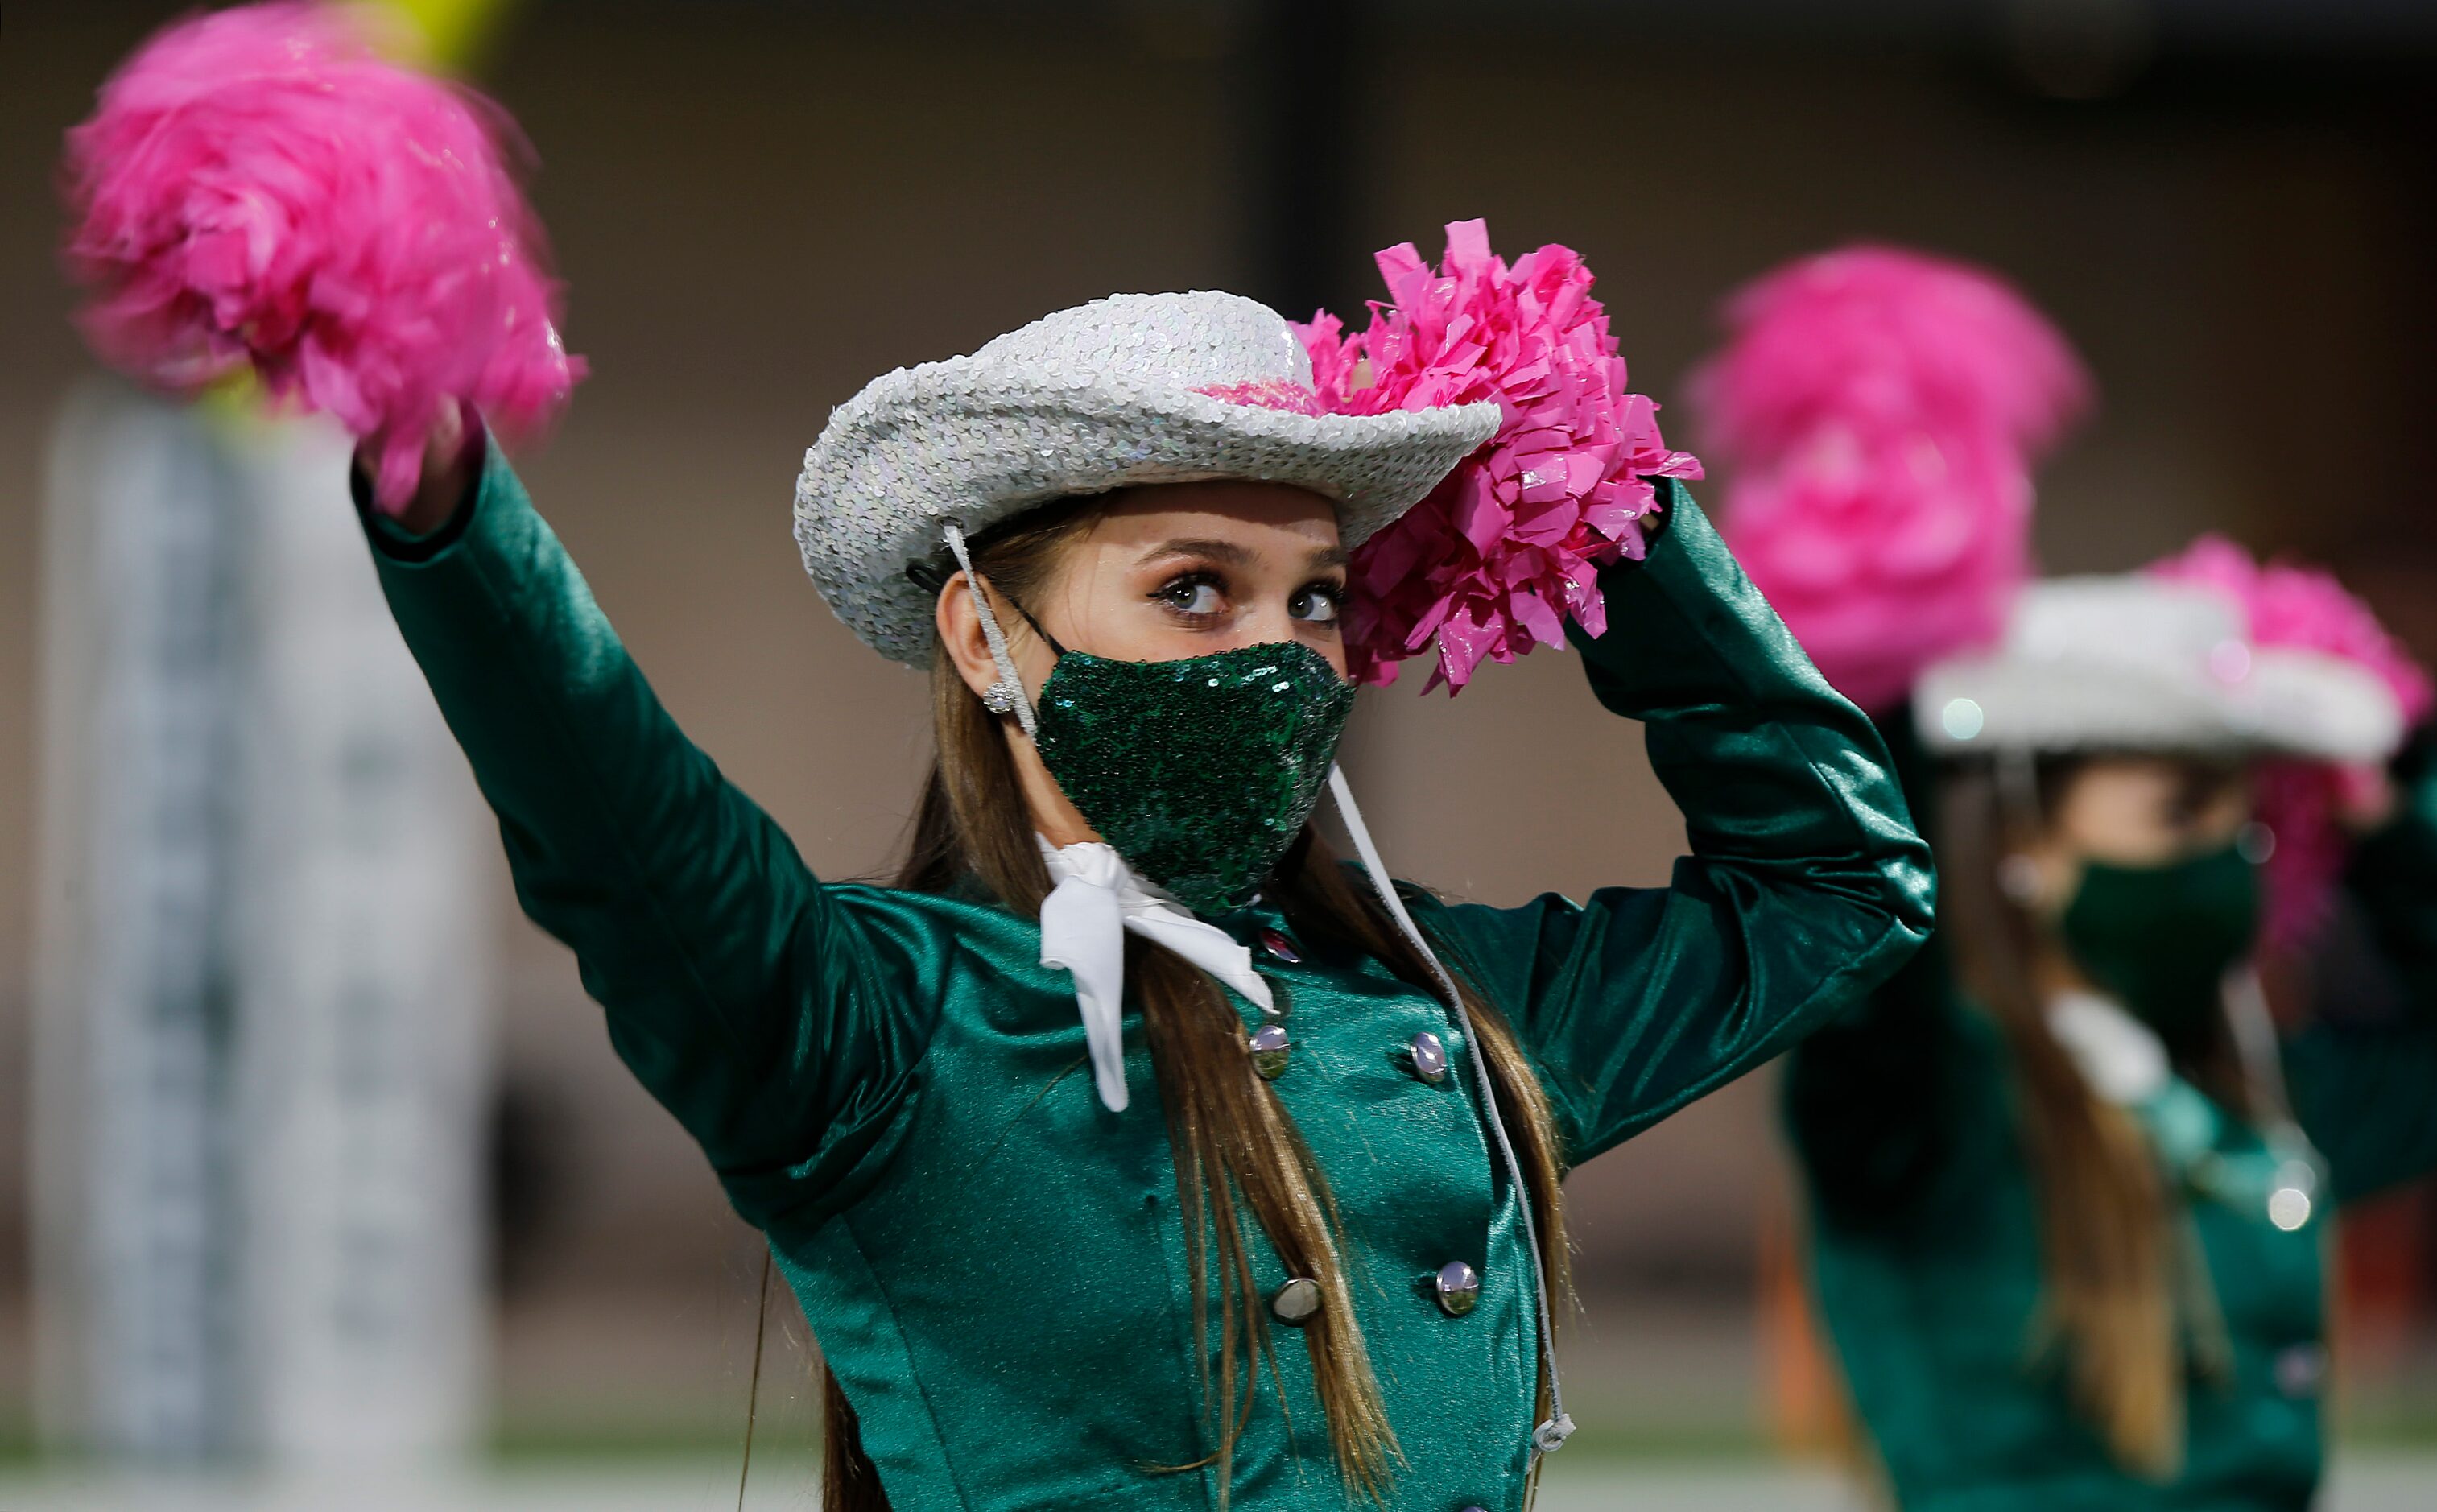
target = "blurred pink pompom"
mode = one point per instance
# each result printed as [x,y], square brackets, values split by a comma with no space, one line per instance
[2300,607]
[1511,544]
[256,186]
[2305,608]
[1880,411]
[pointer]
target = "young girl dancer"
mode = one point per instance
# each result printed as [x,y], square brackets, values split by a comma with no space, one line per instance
[1130,1151]
[2069,1182]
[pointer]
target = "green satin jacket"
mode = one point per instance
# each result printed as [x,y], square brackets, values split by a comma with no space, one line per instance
[886,1081]
[1925,1235]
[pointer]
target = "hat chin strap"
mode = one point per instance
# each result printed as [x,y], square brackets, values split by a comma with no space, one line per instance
[1552,1433]
[1006,694]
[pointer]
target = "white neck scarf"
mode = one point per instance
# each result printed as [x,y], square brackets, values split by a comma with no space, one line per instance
[2121,1058]
[1083,924]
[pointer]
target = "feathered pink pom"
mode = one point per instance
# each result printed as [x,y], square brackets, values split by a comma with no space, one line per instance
[2288,604]
[1880,411]
[1510,545]
[256,186]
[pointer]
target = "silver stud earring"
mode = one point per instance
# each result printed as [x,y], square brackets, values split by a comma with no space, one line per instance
[1001,696]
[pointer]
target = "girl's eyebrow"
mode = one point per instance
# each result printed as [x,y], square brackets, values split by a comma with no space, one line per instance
[1231,554]
[1227,554]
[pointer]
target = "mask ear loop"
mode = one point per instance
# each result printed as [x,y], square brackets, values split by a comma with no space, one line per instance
[1006,694]
[1550,1436]
[2017,773]
[2300,1167]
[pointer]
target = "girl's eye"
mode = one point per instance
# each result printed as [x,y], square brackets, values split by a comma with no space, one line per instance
[2189,807]
[1193,593]
[1317,603]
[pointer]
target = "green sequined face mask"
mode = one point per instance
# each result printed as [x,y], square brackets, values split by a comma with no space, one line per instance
[2162,938]
[1200,772]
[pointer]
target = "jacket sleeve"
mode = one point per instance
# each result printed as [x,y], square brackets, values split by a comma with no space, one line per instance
[1890,1102]
[1806,887]
[758,1006]
[2364,1081]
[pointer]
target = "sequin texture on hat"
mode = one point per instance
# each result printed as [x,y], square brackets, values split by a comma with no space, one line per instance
[1131,389]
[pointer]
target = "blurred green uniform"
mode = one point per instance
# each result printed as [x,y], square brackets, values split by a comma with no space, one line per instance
[1925,1242]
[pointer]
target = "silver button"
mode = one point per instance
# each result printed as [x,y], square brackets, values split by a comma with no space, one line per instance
[2300,1368]
[1295,1303]
[1429,1058]
[1458,1286]
[1269,1049]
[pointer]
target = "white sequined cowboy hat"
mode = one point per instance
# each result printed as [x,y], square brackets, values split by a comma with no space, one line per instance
[2137,663]
[1131,389]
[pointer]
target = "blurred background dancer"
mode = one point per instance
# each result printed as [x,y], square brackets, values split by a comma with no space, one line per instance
[2069,1178]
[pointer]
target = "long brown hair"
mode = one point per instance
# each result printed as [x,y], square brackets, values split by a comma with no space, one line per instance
[1240,1162]
[2122,1280]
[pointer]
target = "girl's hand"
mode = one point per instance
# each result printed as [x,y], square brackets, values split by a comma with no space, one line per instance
[452,454]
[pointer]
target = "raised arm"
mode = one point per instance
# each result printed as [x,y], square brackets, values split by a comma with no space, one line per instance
[2363,1076]
[755,1005]
[1806,887]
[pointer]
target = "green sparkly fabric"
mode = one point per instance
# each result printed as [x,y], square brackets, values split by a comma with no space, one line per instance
[1202,771]
[893,1087]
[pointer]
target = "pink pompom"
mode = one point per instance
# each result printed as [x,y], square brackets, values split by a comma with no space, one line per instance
[2288,604]
[1880,411]
[1509,547]
[257,187]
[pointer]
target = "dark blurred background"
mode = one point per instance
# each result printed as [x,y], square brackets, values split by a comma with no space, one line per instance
[2230,205]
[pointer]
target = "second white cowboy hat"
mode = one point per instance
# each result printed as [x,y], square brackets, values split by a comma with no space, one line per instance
[1131,389]
[2134,663]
